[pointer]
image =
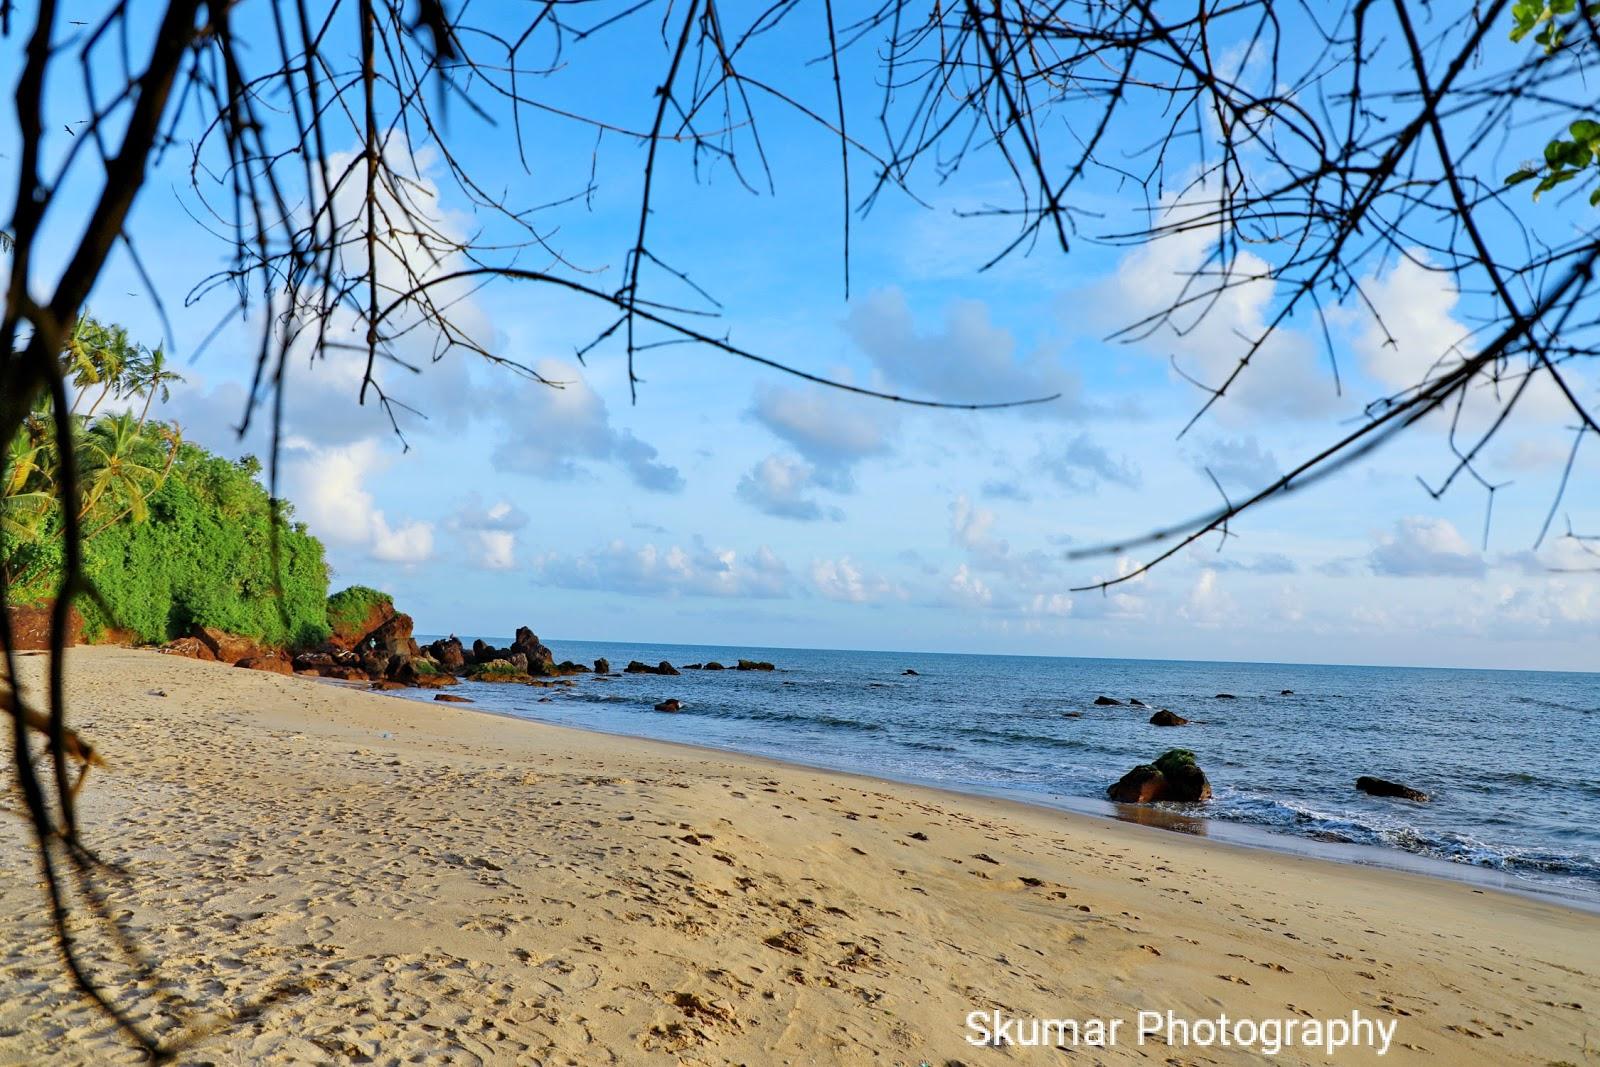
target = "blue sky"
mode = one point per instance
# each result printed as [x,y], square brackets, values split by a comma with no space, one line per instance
[734,505]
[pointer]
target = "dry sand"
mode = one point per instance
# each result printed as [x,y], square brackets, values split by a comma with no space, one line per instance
[406,883]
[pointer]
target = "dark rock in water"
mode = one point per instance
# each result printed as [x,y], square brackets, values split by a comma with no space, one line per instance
[713,666]
[669,705]
[691,666]
[1185,780]
[385,684]
[635,667]
[1226,696]
[449,654]
[1175,776]
[1380,787]
[567,666]
[1135,702]
[602,666]
[909,671]
[451,698]
[1167,718]
[539,658]
[1106,702]
[754,665]
[1072,714]
[1286,693]
[1141,785]
[482,651]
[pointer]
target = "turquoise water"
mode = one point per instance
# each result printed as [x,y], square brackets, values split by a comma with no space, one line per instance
[1509,757]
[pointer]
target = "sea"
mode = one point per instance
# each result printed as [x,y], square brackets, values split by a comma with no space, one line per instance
[1510,759]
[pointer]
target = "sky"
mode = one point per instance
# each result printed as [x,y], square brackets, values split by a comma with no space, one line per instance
[731,504]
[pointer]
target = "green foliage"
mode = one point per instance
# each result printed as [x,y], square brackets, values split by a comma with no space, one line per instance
[1172,761]
[1565,158]
[204,557]
[349,608]
[499,667]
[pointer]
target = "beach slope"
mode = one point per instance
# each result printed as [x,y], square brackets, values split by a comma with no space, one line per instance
[333,876]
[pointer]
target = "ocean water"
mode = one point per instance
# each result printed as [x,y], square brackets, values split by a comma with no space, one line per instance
[1509,758]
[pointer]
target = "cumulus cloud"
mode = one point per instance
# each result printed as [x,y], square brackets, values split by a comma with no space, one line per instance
[842,579]
[1420,546]
[831,430]
[1208,337]
[969,359]
[778,486]
[648,570]
[1080,465]
[1262,563]
[328,486]
[1207,605]
[548,432]
[492,531]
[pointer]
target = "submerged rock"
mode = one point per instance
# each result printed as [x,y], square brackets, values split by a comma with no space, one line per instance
[451,698]
[671,704]
[713,666]
[1380,787]
[1135,702]
[1226,696]
[910,672]
[1167,718]
[1106,702]
[1286,692]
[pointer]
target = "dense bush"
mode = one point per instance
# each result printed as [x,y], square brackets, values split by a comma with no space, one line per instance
[349,608]
[204,557]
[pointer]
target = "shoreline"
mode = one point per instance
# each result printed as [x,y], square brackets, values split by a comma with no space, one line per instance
[329,877]
[1195,825]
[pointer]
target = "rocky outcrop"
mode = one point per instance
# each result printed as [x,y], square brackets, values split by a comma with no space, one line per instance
[671,704]
[754,665]
[30,627]
[1175,776]
[1286,692]
[1135,702]
[448,653]
[635,667]
[1226,696]
[602,666]
[1380,787]
[539,658]
[1167,718]
[266,663]
[1106,702]
[690,667]
[190,647]
[451,698]
[909,673]
[713,666]
[226,647]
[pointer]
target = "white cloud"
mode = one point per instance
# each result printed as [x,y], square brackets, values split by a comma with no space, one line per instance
[832,430]
[842,579]
[970,360]
[328,486]
[549,431]
[1422,546]
[491,530]
[648,570]
[778,485]
[1239,462]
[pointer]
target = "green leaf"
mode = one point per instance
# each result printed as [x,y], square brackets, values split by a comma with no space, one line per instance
[1517,177]
[1585,130]
[1594,197]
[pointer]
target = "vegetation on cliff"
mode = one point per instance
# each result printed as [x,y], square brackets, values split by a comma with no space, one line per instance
[173,536]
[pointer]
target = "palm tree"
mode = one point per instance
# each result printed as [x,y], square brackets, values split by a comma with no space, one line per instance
[153,377]
[118,465]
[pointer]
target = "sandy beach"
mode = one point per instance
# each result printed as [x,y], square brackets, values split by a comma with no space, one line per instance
[329,876]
